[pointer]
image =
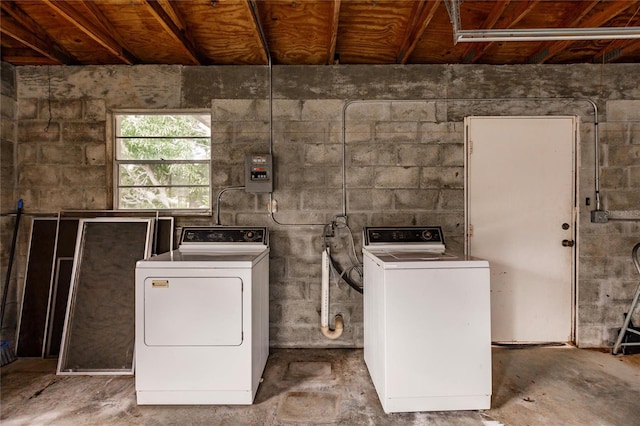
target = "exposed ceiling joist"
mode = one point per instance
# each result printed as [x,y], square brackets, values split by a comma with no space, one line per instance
[259,34]
[102,20]
[333,38]
[616,49]
[521,10]
[170,20]
[473,51]
[550,49]
[36,39]
[423,14]
[65,10]
[314,32]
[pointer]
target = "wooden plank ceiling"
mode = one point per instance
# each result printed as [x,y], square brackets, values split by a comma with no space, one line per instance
[303,32]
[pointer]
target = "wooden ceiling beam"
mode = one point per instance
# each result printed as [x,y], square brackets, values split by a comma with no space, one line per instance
[169,18]
[30,33]
[609,12]
[422,16]
[615,50]
[93,8]
[98,35]
[252,10]
[25,56]
[333,36]
[509,20]
[474,51]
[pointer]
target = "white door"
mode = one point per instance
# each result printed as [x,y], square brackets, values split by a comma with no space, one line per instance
[520,195]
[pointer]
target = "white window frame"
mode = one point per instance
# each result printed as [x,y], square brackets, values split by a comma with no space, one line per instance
[116,162]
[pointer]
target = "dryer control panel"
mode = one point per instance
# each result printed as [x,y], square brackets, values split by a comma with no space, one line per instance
[403,235]
[201,235]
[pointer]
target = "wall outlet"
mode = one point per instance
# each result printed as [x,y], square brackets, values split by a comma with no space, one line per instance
[599,216]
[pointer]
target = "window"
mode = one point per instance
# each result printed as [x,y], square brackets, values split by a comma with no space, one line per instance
[162,161]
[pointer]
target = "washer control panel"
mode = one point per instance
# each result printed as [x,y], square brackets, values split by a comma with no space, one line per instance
[403,235]
[201,235]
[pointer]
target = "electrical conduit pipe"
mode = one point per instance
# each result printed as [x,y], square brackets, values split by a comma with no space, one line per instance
[324,303]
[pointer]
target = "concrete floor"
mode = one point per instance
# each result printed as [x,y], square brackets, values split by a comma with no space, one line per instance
[532,386]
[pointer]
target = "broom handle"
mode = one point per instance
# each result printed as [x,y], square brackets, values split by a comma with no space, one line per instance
[5,289]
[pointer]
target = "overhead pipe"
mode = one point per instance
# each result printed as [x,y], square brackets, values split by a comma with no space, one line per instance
[547,34]
[533,34]
[324,303]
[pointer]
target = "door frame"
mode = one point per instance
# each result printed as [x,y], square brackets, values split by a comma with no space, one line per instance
[575,252]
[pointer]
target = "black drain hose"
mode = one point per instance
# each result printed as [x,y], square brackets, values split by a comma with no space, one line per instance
[344,276]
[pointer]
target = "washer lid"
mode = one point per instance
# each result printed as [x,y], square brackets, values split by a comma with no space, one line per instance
[412,255]
[416,259]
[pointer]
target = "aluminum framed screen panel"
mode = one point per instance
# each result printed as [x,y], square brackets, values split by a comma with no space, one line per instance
[99,328]
[35,299]
[65,250]
[62,280]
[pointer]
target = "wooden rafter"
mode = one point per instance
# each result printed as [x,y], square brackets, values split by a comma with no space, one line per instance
[48,32]
[509,20]
[617,48]
[551,49]
[264,52]
[97,34]
[102,20]
[474,51]
[423,13]
[25,56]
[333,37]
[30,33]
[169,18]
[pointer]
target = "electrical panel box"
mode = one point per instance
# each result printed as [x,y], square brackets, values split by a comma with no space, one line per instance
[258,173]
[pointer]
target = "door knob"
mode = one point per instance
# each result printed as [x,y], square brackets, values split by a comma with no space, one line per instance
[568,243]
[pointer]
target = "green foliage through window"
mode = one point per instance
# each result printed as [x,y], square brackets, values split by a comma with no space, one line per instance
[163,161]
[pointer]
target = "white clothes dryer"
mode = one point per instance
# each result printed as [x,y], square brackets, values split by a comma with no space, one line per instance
[427,322]
[202,318]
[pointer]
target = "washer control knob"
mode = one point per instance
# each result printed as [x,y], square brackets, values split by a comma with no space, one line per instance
[427,235]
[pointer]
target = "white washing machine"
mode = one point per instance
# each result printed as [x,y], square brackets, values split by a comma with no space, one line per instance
[427,322]
[202,318]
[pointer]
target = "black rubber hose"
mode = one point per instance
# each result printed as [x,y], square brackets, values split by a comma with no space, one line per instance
[344,277]
[5,290]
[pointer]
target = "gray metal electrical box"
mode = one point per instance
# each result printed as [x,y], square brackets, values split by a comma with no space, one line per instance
[258,173]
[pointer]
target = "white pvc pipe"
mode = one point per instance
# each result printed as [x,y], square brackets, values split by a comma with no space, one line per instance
[324,303]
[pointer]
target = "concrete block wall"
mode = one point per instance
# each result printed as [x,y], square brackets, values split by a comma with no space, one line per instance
[608,277]
[403,150]
[8,202]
